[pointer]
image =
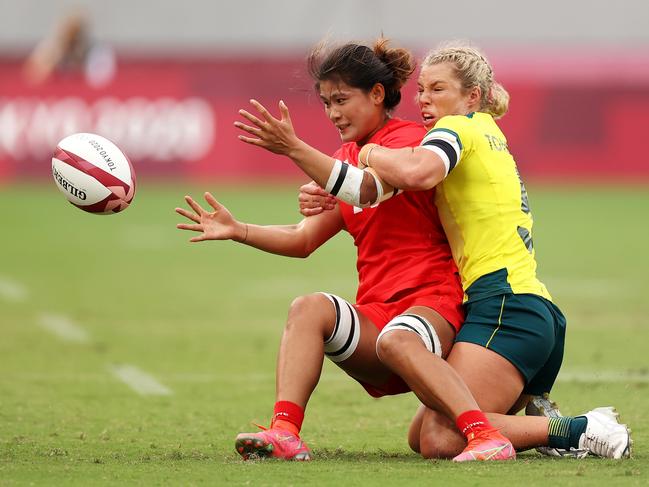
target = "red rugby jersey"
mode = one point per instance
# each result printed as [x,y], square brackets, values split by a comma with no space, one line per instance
[400,243]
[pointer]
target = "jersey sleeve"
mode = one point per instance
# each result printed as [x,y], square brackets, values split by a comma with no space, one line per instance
[450,139]
[407,135]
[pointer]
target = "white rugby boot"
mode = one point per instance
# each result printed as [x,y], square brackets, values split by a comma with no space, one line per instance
[605,437]
[544,406]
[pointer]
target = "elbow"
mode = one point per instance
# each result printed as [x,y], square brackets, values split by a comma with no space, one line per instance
[417,178]
[296,254]
[303,255]
[305,250]
[303,243]
[424,170]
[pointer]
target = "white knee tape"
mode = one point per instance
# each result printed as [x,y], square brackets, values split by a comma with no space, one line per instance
[418,325]
[347,331]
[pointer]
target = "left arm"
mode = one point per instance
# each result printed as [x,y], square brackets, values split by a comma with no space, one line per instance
[409,168]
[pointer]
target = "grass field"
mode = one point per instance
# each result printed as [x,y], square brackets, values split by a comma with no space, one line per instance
[87,302]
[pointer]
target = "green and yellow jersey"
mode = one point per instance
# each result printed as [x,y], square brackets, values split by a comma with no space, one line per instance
[483,207]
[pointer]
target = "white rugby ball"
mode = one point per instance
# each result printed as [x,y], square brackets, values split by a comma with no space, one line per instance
[93,174]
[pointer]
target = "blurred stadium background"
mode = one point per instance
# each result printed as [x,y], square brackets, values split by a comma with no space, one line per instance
[165,79]
[129,356]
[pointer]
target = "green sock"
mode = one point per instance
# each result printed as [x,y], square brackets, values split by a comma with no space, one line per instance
[565,432]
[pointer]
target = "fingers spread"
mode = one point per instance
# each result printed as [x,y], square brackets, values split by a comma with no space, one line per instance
[212,201]
[251,117]
[188,214]
[250,140]
[247,128]
[261,109]
[195,206]
[283,109]
[193,227]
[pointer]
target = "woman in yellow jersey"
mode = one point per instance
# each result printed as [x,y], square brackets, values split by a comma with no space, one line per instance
[511,344]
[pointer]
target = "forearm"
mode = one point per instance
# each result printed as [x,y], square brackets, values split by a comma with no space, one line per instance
[409,168]
[284,240]
[357,189]
[314,163]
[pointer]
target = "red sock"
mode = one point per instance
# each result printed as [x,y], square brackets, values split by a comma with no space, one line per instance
[288,416]
[471,422]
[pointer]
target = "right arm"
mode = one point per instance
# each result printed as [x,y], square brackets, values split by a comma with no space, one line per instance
[298,240]
[408,168]
[339,178]
[425,166]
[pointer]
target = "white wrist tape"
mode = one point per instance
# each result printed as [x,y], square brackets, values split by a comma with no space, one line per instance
[345,183]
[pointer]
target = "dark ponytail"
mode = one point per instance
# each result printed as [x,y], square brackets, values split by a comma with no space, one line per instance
[362,67]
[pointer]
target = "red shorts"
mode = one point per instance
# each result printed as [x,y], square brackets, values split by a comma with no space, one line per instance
[447,305]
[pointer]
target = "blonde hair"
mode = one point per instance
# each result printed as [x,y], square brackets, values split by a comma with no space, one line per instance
[473,69]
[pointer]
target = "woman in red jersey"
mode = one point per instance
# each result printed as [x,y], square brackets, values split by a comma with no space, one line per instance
[511,344]
[408,285]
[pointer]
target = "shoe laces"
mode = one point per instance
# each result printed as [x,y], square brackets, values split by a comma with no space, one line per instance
[599,446]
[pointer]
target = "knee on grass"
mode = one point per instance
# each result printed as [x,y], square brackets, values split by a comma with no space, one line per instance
[438,438]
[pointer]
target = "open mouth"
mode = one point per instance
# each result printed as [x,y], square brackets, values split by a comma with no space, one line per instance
[428,119]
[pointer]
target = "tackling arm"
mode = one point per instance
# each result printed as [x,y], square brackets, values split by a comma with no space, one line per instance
[410,168]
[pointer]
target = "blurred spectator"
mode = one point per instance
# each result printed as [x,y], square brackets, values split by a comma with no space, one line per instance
[71,49]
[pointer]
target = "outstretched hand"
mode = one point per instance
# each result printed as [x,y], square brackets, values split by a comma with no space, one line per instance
[213,225]
[275,135]
[313,200]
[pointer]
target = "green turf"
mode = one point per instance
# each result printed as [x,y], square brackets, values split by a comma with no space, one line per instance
[205,320]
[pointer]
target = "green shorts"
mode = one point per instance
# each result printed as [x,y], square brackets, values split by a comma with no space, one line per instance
[526,329]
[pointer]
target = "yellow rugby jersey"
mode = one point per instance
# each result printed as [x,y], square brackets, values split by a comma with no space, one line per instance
[483,207]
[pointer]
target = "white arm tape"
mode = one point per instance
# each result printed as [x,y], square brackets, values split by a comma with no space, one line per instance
[345,183]
[379,186]
[333,176]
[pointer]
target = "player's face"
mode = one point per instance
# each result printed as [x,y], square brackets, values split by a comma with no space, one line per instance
[357,115]
[440,93]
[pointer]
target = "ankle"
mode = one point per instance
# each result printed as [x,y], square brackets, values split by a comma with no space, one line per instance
[288,416]
[286,426]
[471,422]
[565,432]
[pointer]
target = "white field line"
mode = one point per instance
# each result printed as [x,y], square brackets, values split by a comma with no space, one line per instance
[592,377]
[64,328]
[11,290]
[138,380]
[604,376]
